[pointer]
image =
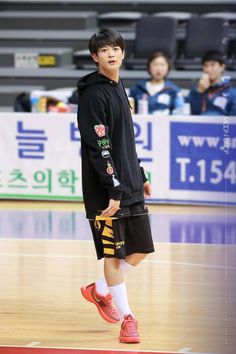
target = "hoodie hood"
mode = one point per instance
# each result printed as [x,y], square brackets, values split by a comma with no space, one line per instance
[97,78]
[93,79]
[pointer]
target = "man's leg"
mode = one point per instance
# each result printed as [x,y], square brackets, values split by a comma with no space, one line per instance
[127,264]
[100,294]
[135,258]
[104,302]
[117,287]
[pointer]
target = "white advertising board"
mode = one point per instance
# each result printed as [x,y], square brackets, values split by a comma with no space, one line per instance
[188,159]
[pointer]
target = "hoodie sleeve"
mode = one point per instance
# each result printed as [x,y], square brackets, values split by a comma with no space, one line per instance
[94,133]
[144,177]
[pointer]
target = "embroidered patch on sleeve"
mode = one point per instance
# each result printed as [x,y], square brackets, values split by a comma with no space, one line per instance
[109,168]
[100,130]
[105,154]
[116,183]
[104,143]
[220,102]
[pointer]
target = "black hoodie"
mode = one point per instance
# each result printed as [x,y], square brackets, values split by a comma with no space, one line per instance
[110,167]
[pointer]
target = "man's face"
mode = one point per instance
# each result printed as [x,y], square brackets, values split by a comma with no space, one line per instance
[109,58]
[214,69]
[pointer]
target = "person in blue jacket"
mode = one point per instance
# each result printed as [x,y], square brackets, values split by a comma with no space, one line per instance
[163,96]
[213,94]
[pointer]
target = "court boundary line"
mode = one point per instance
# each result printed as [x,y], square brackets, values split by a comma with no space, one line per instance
[214,266]
[104,349]
[10,238]
[78,206]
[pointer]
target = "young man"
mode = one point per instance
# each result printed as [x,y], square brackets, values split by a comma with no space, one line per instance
[114,184]
[213,94]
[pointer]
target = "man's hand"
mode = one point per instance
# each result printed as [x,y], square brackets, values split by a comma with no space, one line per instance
[147,189]
[203,83]
[113,207]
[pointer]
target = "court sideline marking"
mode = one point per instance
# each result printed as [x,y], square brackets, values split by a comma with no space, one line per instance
[4,349]
[214,266]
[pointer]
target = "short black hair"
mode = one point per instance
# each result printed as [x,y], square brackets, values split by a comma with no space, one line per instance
[214,55]
[104,37]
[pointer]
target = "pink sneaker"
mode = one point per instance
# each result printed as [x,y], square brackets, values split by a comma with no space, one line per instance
[129,330]
[104,303]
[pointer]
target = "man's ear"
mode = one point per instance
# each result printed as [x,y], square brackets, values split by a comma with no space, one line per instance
[95,57]
[223,67]
[123,55]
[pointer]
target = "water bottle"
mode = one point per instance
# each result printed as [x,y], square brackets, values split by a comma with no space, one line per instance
[34,103]
[131,104]
[179,105]
[186,109]
[143,105]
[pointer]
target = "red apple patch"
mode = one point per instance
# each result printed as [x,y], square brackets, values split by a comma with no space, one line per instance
[99,130]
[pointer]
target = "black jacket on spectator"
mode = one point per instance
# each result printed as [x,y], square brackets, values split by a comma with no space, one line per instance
[22,103]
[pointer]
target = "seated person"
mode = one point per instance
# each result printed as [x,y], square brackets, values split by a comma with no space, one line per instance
[163,96]
[213,94]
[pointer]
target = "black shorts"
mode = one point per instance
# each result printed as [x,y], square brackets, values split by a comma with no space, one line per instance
[127,232]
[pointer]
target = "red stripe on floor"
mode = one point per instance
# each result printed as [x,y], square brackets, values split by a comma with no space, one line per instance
[26,350]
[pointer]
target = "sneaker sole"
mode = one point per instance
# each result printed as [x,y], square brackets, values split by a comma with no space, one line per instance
[130,340]
[102,313]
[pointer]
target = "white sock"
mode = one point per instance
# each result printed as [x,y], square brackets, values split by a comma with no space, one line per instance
[101,285]
[120,299]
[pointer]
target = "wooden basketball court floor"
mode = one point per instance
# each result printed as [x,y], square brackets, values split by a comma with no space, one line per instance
[183,295]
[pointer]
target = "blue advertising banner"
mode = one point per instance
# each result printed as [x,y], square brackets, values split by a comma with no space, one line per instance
[200,159]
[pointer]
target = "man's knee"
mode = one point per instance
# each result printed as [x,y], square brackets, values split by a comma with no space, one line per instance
[112,262]
[135,258]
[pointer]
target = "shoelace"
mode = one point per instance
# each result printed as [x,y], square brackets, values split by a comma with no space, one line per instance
[108,302]
[130,326]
